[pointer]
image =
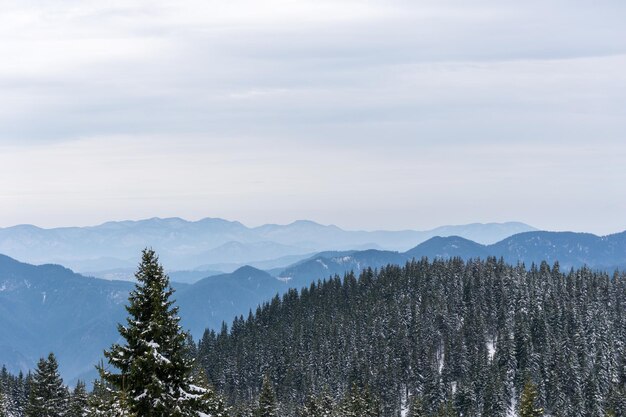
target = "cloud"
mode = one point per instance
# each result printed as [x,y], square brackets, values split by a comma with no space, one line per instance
[316,101]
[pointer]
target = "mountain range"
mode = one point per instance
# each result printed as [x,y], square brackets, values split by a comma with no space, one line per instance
[51,308]
[110,250]
[570,249]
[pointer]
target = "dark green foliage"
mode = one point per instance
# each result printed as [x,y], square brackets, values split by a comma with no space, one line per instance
[528,401]
[320,406]
[447,410]
[210,403]
[360,403]
[101,402]
[3,404]
[417,408]
[460,336]
[244,410]
[267,400]
[4,398]
[48,397]
[79,401]
[14,393]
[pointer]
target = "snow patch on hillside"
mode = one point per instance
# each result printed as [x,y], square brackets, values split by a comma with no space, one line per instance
[322,263]
[491,348]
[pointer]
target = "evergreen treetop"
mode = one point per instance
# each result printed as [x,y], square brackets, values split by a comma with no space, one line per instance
[79,401]
[154,378]
[48,396]
[267,399]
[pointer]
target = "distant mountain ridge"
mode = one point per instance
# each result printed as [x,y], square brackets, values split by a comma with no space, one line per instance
[570,249]
[111,249]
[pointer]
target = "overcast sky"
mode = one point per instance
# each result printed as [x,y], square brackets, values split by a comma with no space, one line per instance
[376,114]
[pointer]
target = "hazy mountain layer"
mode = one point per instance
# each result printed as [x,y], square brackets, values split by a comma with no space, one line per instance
[185,245]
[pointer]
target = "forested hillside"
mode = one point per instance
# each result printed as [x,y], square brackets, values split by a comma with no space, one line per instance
[439,338]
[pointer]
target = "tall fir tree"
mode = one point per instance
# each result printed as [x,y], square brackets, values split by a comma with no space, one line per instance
[79,401]
[360,403]
[103,403]
[244,410]
[267,399]
[155,371]
[210,402]
[320,406]
[48,396]
[417,408]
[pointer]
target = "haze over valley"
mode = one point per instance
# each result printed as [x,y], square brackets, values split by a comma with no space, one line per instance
[110,250]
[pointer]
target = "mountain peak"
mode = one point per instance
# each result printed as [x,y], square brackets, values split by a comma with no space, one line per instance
[248,271]
[447,247]
[303,222]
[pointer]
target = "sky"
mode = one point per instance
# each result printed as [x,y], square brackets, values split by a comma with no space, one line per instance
[380,114]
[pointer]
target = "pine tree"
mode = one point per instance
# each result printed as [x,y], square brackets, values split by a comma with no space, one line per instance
[321,406]
[3,403]
[360,403]
[210,403]
[527,406]
[417,408]
[154,378]
[101,401]
[447,410]
[244,411]
[79,401]
[20,393]
[48,396]
[267,399]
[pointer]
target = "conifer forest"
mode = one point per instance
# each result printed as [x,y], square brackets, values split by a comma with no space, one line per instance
[430,338]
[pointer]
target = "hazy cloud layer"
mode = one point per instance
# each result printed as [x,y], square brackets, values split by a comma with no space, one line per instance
[379,114]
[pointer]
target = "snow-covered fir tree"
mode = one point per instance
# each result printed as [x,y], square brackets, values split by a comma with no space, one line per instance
[105,402]
[154,372]
[320,406]
[267,399]
[3,404]
[79,401]
[14,393]
[417,408]
[360,403]
[48,396]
